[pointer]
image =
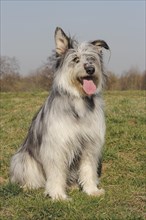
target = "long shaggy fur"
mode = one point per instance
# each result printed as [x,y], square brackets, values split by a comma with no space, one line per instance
[65,140]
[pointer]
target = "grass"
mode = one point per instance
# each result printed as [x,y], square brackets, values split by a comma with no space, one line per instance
[124,165]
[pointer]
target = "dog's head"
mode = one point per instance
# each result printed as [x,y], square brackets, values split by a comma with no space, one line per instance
[79,67]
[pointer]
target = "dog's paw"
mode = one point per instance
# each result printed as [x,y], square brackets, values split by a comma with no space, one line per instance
[57,196]
[25,188]
[97,192]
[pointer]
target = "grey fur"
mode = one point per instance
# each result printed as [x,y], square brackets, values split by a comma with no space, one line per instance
[65,140]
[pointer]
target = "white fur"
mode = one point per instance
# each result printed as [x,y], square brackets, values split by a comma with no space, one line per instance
[27,171]
[66,137]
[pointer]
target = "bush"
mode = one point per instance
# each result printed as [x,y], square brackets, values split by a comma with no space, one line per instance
[41,79]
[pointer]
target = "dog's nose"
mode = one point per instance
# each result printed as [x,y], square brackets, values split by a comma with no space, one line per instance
[89,69]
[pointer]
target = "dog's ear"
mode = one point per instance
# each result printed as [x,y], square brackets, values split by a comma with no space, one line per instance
[61,40]
[100,44]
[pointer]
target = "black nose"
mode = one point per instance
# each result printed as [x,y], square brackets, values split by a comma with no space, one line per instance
[89,69]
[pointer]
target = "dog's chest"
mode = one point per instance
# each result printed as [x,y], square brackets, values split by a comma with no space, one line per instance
[74,122]
[81,108]
[85,118]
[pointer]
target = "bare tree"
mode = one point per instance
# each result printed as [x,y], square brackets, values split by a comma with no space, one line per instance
[143,83]
[131,79]
[112,81]
[9,73]
[9,66]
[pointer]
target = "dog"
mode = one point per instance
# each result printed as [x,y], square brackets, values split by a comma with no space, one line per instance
[65,141]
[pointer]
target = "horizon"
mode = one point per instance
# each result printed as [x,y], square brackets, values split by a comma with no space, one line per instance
[27,30]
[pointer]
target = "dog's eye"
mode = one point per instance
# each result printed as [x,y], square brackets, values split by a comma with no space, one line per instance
[76,60]
[92,59]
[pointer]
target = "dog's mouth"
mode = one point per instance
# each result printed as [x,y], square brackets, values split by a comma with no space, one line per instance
[88,85]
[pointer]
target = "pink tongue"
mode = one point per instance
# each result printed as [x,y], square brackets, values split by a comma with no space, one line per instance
[89,87]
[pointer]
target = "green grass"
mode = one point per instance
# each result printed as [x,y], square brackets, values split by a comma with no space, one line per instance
[124,164]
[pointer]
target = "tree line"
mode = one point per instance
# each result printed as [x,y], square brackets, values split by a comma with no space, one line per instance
[41,79]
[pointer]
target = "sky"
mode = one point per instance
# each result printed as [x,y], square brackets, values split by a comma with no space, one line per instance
[27,30]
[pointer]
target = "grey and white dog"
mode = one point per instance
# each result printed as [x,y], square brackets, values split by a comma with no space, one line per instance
[65,140]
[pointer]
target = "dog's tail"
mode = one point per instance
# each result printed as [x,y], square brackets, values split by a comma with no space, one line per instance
[26,171]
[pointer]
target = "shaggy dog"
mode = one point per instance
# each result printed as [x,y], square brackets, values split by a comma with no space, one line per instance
[65,140]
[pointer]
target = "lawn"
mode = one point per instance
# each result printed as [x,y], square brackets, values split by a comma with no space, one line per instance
[124,165]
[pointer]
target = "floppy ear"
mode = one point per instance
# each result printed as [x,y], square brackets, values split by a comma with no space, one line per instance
[100,44]
[61,40]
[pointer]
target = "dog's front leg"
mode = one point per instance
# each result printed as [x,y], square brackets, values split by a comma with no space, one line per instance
[56,181]
[88,178]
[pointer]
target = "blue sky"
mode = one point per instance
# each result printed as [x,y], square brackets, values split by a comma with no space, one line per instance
[27,29]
